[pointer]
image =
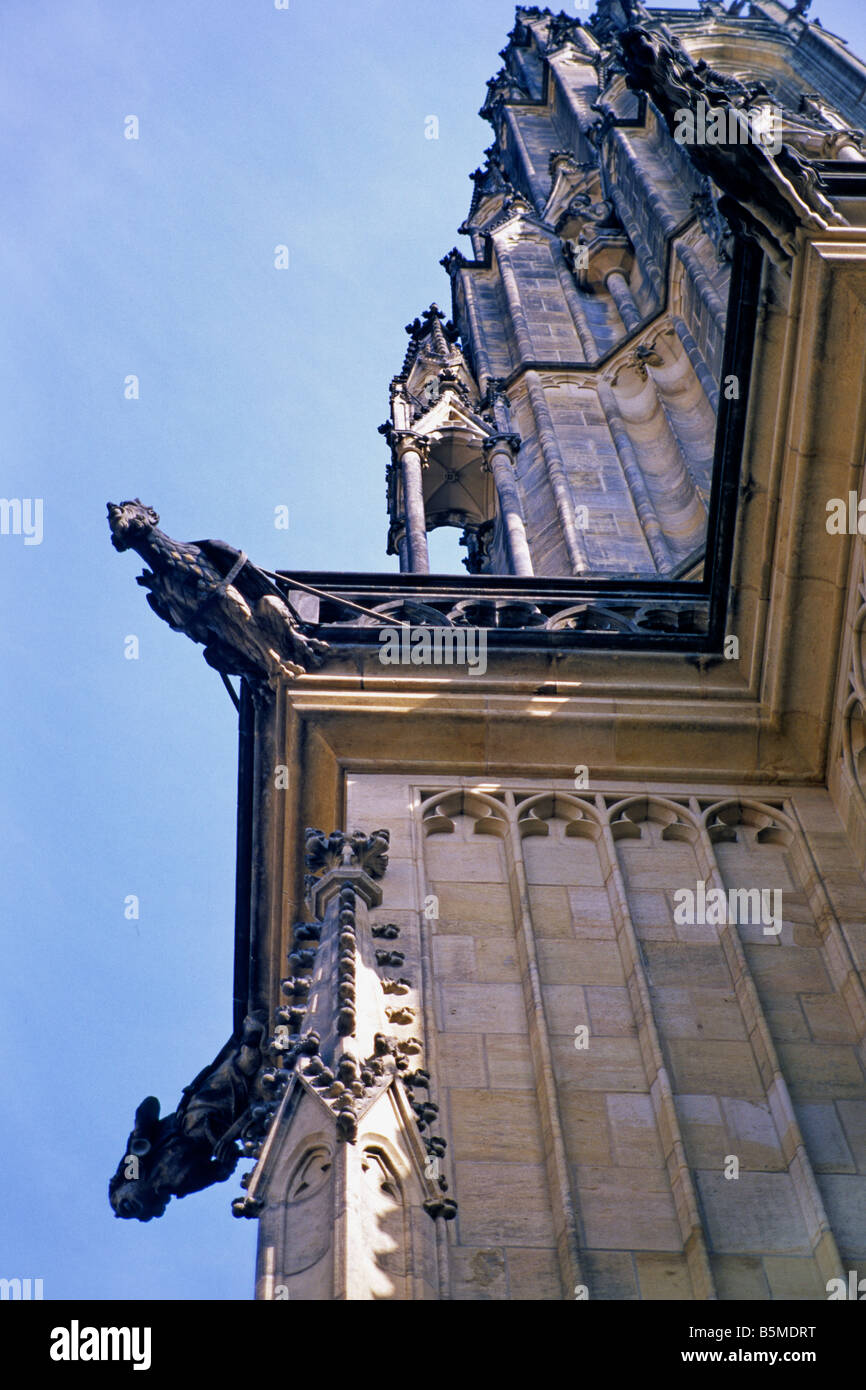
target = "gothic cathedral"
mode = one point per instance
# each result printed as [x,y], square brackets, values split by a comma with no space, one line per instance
[551,908]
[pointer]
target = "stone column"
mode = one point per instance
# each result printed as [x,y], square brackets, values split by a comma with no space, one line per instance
[412,455]
[696,270]
[519,324]
[645,255]
[480,356]
[536,182]
[557,476]
[620,293]
[499,451]
[646,512]
[397,545]
[573,300]
[702,371]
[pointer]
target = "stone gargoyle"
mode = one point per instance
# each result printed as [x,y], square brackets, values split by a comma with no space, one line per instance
[767,194]
[196,1145]
[212,592]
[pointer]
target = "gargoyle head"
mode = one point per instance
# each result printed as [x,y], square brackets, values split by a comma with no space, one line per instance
[130,521]
[161,1162]
[130,1191]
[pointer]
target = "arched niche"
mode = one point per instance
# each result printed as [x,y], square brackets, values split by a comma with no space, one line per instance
[308,1224]
[440,811]
[385,1234]
[580,818]
[854,743]
[770,826]
[674,821]
[564,862]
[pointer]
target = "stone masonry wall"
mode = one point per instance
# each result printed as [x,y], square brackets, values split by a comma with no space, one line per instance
[603,1160]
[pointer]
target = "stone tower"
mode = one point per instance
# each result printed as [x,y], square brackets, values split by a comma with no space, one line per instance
[585,1017]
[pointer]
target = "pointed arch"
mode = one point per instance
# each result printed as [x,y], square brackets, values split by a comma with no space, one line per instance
[310,1172]
[625,817]
[581,817]
[773,826]
[854,741]
[438,812]
[409,611]
[858,653]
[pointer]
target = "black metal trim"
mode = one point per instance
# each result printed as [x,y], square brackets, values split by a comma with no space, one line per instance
[243,861]
[742,315]
[489,585]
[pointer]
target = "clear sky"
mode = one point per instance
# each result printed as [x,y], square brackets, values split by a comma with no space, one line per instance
[258,388]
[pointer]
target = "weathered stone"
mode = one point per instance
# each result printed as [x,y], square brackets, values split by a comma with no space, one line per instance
[526,1040]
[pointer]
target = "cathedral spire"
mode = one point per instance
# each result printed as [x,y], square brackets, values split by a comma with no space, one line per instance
[597,285]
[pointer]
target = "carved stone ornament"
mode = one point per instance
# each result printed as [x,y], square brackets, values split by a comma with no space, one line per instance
[562,29]
[212,592]
[198,1143]
[330,1032]
[767,195]
[504,87]
[478,541]
[367,852]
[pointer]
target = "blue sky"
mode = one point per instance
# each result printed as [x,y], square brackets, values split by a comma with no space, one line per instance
[258,388]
